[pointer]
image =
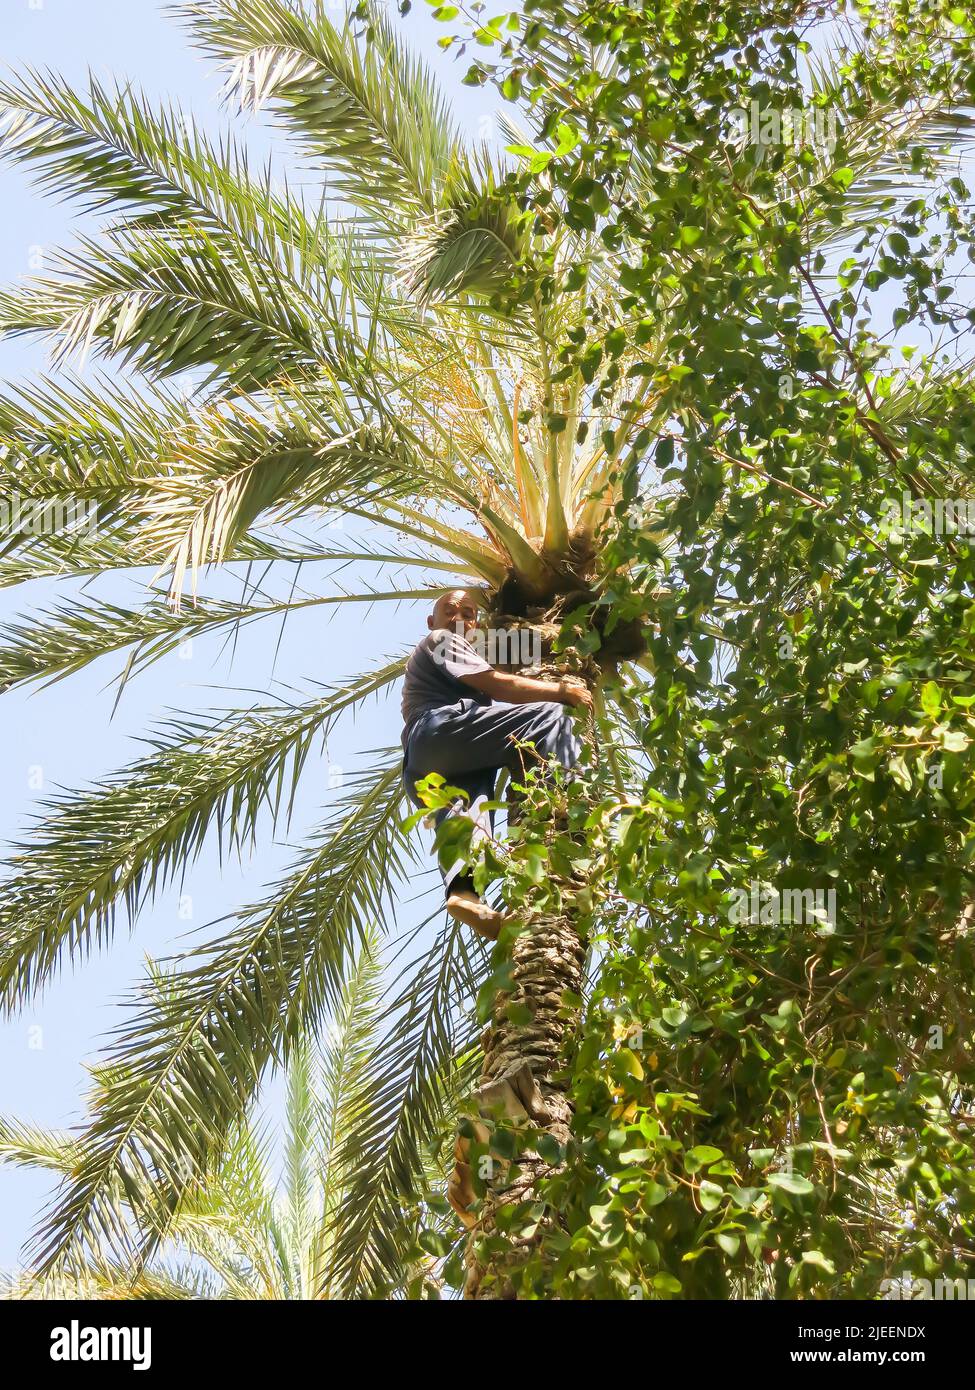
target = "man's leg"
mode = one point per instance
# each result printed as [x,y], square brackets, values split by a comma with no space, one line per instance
[466,737]
[463,901]
[467,744]
[479,787]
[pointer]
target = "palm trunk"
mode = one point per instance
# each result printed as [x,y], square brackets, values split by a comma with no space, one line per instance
[525,1067]
[528,1048]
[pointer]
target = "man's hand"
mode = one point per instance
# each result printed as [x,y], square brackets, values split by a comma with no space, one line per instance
[578,696]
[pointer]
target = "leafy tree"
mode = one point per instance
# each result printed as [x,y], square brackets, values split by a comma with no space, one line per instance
[774,1091]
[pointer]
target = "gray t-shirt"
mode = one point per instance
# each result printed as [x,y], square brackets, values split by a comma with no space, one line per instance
[433,675]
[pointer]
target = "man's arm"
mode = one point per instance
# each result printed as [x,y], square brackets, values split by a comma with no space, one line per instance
[522,690]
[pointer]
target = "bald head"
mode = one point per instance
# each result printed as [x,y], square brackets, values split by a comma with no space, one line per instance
[456,608]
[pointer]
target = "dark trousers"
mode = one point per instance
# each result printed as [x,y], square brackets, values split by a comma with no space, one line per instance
[469,743]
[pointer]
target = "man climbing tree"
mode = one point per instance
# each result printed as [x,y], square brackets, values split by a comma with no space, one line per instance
[466,721]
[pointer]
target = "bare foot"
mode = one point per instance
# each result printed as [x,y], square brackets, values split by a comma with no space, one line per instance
[473,911]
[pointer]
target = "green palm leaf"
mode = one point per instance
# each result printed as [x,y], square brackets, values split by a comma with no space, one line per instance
[406,1099]
[183,1070]
[70,637]
[126,839]
[371,113]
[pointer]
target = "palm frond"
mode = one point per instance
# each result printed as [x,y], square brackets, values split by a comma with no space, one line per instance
[228,1220]
[370,112]
[112,150]
[405,1099]
[62,640]
[122,842]
[168,303]
[30,1146]
[472,245]
[114,546]
[185,1066]
[346,1053]
[878,146]
[281,459]
[107,1281]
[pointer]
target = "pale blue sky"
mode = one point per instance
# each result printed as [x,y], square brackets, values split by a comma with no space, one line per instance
[64,736]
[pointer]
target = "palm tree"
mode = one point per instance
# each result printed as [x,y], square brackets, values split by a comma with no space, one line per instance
[351,357]
[357,353]
[238,1234]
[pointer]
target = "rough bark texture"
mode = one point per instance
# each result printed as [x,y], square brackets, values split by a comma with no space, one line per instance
[525,1069]
[525,1073]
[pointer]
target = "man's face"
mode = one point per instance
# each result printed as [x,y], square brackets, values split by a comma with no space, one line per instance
[456,610]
